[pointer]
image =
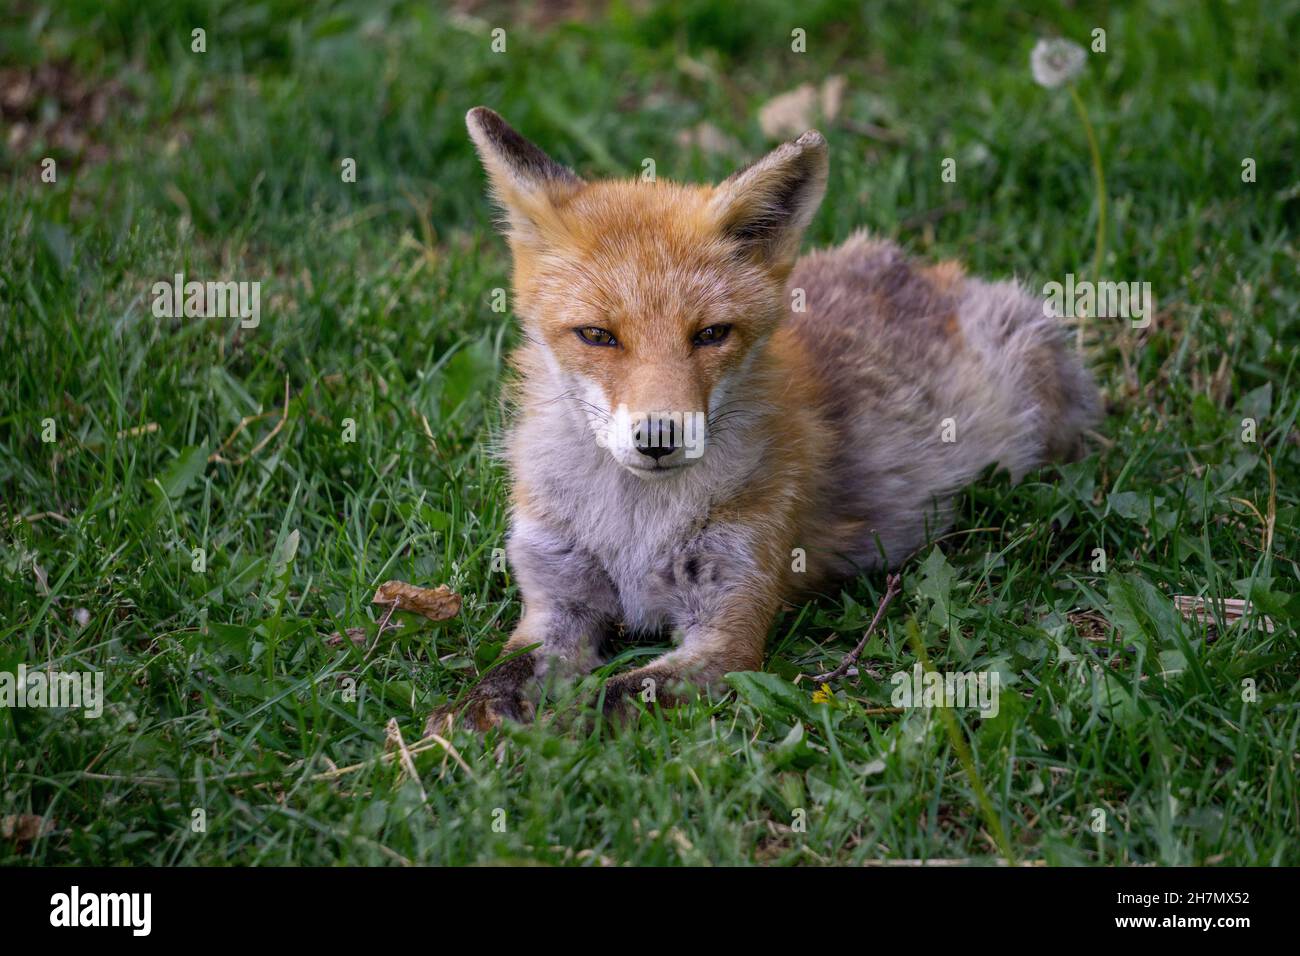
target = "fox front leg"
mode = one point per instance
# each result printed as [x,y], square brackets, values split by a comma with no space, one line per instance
[569,604]
[723,600]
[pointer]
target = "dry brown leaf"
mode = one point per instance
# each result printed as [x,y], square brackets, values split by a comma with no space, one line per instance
[1202,610]
[437,604]
[357,635]
[832,96]
[789,114]
[796,111]
[24,827]
[707,138]
[1091,625]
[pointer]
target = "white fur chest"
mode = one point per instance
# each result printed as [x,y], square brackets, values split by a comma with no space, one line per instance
[633,528]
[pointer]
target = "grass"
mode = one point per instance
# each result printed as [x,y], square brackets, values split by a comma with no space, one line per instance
[1123,736]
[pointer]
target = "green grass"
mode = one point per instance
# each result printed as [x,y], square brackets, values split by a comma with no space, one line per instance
[222,694]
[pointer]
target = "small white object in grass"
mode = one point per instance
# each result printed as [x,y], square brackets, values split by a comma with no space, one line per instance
[1056,62]
[81,616]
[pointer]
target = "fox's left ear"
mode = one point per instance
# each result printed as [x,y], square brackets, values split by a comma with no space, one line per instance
[766,207]
[525,181]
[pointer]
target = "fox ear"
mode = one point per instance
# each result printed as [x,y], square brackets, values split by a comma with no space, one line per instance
[524,179]
[765,207]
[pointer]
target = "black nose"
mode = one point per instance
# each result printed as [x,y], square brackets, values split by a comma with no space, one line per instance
[658,437]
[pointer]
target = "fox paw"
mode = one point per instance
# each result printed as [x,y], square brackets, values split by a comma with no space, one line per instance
[485,712]
[625,692]
[480,712]
[504,694]
[620,697]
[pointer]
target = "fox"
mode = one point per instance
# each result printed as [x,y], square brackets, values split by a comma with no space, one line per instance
[706,426]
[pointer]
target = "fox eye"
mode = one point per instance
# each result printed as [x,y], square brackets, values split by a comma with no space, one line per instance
[712,335]
[594,336]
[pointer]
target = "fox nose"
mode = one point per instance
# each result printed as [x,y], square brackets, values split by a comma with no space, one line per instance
[658,437]
[658,452]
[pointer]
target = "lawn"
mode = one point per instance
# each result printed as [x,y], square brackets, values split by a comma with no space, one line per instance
[193,508]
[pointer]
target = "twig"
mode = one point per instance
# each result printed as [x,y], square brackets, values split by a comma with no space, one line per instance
[428,432]
[1098,437]
[244,422]
[956,861]
[447,747]
[394,733]
[383,626]
[428,742]
[873,131]
[892,587]
[42,515]
[932,215]
[137,431]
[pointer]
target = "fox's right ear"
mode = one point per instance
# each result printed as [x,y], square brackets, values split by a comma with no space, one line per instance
[525,181]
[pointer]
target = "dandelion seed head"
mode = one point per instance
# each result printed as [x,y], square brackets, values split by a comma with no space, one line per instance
[1056,62]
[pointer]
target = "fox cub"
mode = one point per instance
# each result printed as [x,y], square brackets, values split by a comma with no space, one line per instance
[708,425]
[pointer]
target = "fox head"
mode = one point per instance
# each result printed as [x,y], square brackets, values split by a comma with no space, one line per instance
[649,300]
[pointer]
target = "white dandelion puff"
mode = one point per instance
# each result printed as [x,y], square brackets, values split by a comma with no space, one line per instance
[1056,62]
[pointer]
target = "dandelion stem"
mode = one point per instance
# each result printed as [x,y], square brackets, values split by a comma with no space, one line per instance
[963,752]
[1100,176]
